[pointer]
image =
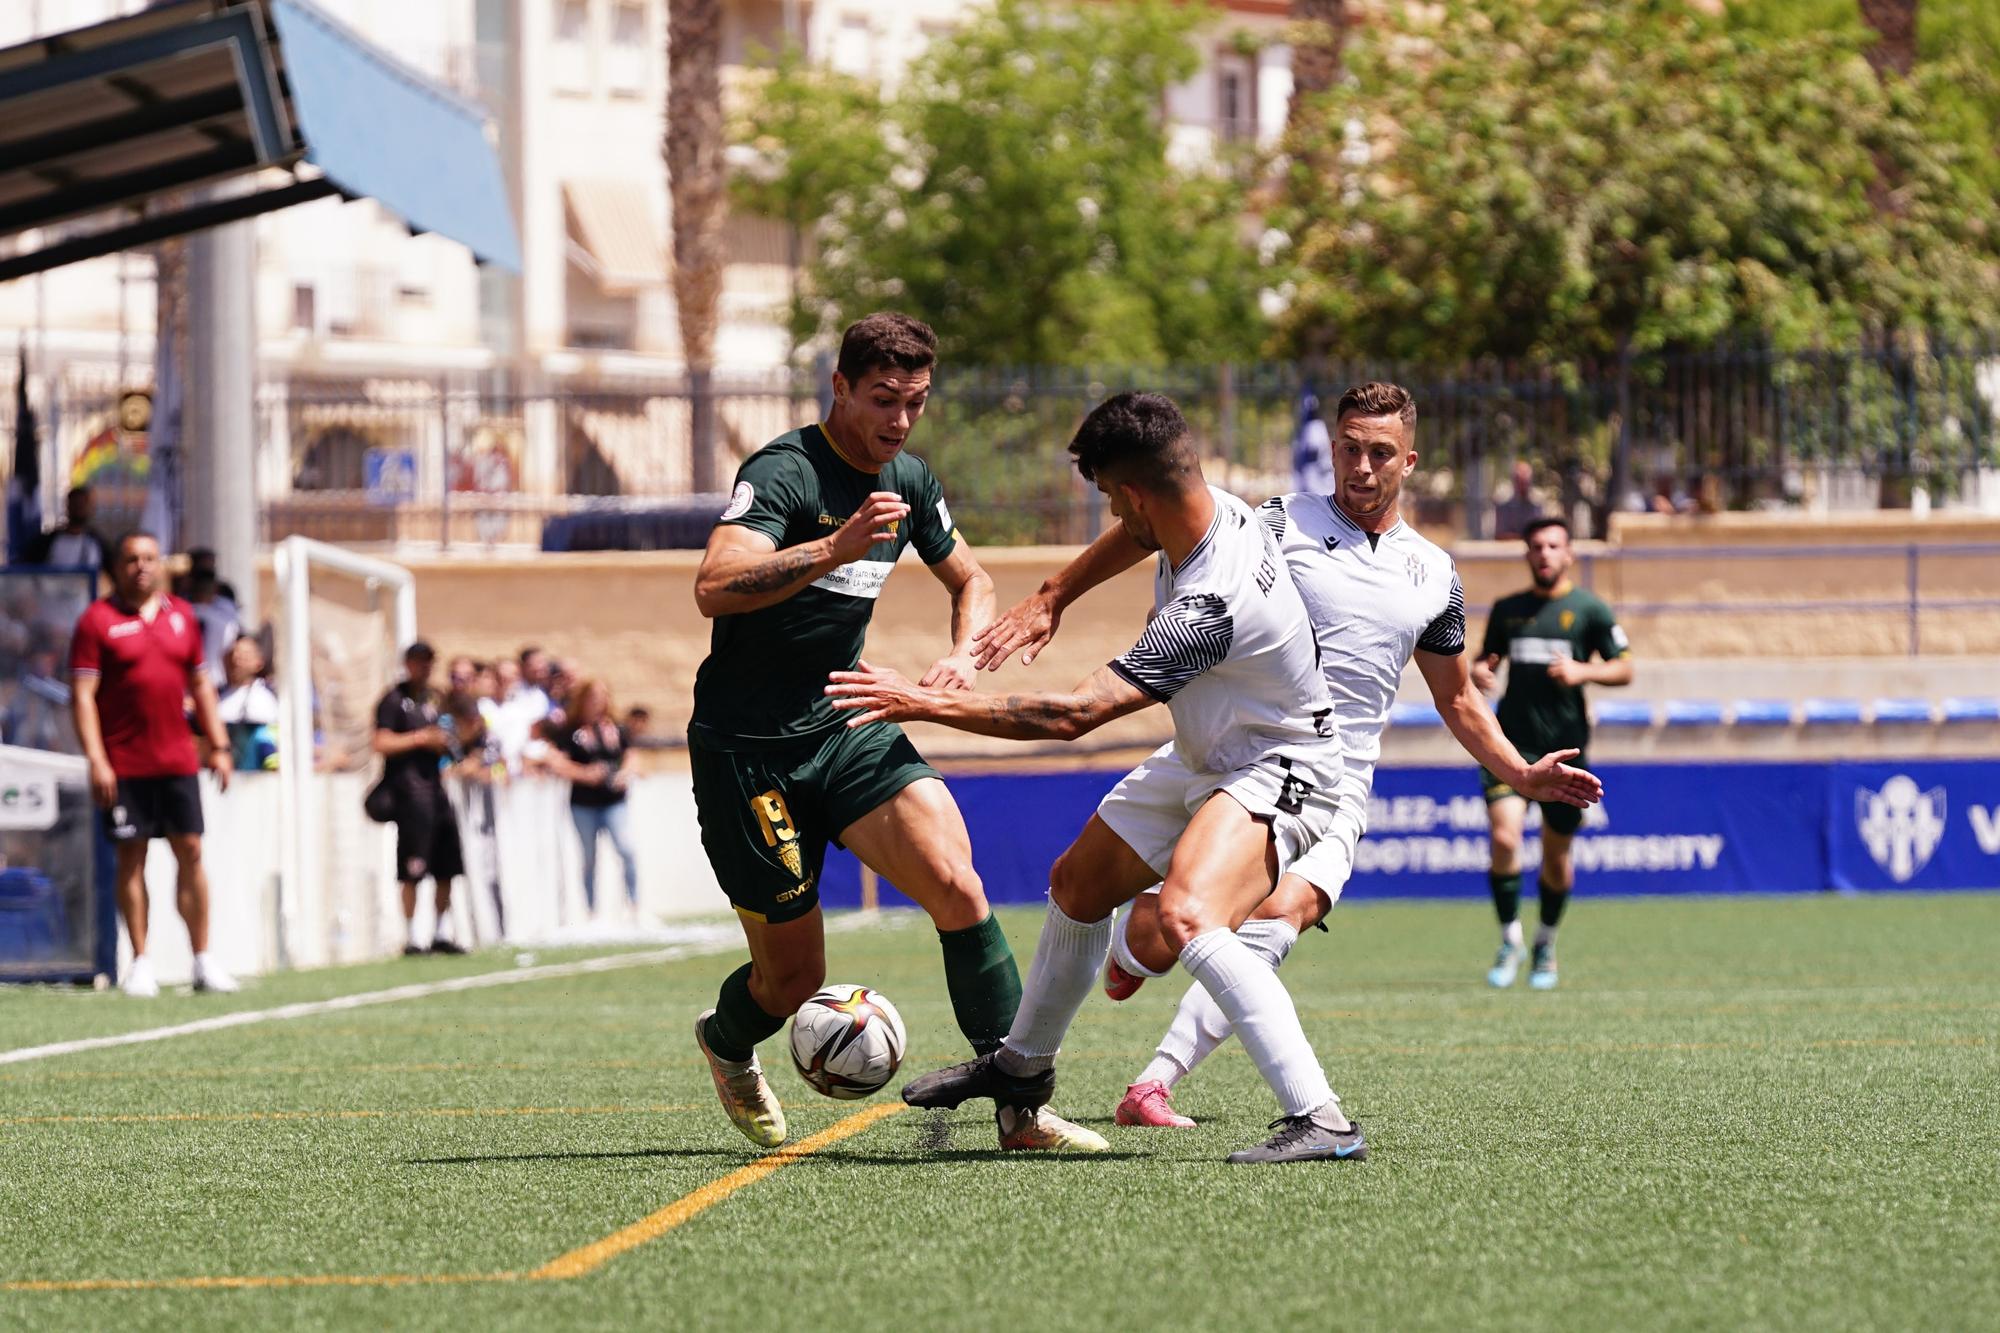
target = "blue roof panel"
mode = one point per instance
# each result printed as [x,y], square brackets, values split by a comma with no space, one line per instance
[379,130]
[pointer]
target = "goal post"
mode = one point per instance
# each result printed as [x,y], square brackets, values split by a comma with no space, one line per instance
[331,858]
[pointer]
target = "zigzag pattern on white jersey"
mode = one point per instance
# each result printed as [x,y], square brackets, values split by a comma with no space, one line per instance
[1372,606]
[1230,651]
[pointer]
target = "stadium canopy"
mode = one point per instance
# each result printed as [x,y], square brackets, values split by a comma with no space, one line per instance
[198,112]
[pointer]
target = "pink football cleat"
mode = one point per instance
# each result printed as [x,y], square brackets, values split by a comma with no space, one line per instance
[1118,983]
[1146,1104]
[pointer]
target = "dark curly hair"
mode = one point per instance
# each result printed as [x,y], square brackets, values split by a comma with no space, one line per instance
[1140,439]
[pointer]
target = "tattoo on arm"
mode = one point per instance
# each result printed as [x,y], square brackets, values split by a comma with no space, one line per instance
[780,570]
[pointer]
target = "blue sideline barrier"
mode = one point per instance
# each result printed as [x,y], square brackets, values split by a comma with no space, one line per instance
[1663,829]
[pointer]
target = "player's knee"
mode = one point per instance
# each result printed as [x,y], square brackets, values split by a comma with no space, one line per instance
[1181,920]
[1067,887]
[958,895]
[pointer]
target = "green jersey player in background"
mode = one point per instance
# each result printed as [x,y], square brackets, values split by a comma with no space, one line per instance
[790,578]
[1549,633]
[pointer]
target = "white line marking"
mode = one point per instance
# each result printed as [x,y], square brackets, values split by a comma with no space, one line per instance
[709,941]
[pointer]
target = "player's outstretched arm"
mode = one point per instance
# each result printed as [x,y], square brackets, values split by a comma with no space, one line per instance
[743,570]
[971,589]
[875,694]
[1473,725]
[1030,624]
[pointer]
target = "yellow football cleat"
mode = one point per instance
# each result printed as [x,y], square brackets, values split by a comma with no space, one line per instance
[1038,1129]
[748,1099]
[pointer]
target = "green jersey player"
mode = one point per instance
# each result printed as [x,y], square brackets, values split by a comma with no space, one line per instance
[790,578]
[1550,633]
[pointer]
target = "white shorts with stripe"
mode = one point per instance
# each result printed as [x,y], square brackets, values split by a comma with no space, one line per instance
[1150,807]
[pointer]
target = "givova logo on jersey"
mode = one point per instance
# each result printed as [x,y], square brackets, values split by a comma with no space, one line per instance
[1901,825]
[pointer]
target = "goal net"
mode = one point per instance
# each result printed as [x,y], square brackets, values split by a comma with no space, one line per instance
[343,621]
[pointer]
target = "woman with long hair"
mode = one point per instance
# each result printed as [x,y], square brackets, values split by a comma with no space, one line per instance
[594,753]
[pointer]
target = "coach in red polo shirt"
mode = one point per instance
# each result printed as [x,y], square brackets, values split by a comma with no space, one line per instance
[135,657]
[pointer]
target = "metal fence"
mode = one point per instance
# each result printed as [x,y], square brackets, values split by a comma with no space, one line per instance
[444,461]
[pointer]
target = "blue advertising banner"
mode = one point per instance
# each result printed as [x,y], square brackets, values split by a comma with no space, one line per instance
[1925,824]
[1662,829]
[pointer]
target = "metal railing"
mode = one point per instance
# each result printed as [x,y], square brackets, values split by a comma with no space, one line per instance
[444,461]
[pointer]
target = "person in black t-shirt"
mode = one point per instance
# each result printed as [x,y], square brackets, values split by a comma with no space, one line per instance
[595,754]
[414,747]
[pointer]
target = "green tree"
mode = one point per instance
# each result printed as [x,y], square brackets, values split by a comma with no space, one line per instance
[1571,179]
[1017,193]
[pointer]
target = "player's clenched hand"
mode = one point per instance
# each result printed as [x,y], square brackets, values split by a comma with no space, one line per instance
[1566,671]
[1550,778]
[222,764]
[877,694]
[1028,625]
[868,525]
[956,672]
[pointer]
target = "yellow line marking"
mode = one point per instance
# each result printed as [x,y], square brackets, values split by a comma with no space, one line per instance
[595,1255]
[577,1263]
[415,1112]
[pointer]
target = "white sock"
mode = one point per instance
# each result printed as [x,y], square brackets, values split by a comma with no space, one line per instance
[201,964]
[1121,950]
[1510,934]
[1260,1009]
[1545,936]
[1199,1026]
[1067,959]
[410,934]
[443,930]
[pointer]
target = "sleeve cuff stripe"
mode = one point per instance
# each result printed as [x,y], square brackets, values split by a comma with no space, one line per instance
[1136,683]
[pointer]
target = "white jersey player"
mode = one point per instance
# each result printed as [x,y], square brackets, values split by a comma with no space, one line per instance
[1247,780]
[1378,594]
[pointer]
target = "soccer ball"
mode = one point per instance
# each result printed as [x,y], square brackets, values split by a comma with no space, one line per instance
[847,1041]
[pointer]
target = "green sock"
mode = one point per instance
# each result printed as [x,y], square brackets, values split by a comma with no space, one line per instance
[1506,896]
[739,1022]
[1554,900]
[985,984]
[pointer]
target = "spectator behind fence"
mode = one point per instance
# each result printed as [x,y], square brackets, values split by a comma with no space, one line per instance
[594,753]
[249,707]
[76,544]
[413,746]
[221,622]
[515,713]
[458,676]
[1512,516]
[639,729]
[134,657]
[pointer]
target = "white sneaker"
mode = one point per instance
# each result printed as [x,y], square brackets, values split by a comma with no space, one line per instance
[139,981]
[211,977]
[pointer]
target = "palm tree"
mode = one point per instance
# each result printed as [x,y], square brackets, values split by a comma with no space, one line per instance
[696,183]
[1895,25]
[1320,27]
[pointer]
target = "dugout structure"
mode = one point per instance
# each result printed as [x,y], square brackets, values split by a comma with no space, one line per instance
[344,622]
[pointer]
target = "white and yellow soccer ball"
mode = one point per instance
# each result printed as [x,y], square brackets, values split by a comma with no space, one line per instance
[847,1041]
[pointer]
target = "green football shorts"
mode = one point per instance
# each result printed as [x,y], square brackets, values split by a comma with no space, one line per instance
[769,808]
[1556,816]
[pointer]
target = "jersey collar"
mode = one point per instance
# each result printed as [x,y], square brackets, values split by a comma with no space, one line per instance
[1340,516]
[1203,544]
[841,453]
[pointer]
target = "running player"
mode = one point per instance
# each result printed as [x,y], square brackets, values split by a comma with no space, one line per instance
[1378,594]
[790,577]
[1219,812]
[1549,632]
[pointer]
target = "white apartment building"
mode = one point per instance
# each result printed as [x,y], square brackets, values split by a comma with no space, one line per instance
[350,306]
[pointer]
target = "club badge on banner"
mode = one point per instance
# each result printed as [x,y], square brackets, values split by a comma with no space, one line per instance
[1931,824]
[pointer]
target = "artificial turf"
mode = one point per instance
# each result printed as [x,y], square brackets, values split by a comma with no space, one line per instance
[1747,1113]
